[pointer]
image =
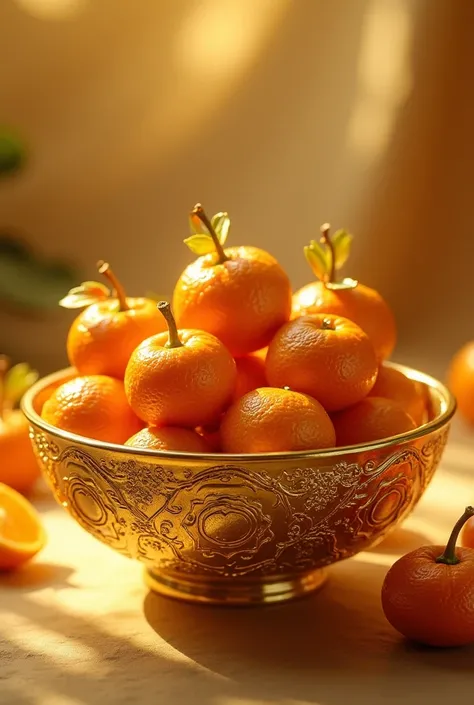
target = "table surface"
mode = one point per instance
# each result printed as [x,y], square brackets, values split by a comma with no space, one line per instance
[78,627]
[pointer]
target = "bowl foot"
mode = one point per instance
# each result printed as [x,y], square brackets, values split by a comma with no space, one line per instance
[234,592]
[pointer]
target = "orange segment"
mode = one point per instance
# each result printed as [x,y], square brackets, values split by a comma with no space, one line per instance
[21,533]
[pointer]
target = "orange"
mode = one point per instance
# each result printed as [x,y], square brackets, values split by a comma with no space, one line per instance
[467,536]
[325,356]
[372,419]
[94,406]
[393,384]
[461,381]
[269,420]
[180,378]
[427,594]
[250,374]
[240,294]
[347,298]
[363,305]
[21,533]
[169,438]
[18,466]
[104,335]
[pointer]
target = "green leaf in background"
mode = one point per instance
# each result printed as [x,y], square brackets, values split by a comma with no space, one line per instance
[29,282]
[341,242]
[221,224]
[195,225]
[12,152]
[200,244]
[18,380]
[317,259]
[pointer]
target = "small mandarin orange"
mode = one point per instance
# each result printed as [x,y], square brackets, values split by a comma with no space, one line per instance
[104,335]
[349,298]
[427,594]
[269,420]
[371,419]
[393,384]
[250,374]
[461,381]
[240,294]
[18,465]
[94,406]
[325,356]
[21,533]
[180,378]
[169,438]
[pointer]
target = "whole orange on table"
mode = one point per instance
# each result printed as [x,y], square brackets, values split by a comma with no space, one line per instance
[21,533]
[428,594]
[328,357]
[239,294]
[102,338]
[270,420]
[461,381]
[347,298]
[18,466]
[94,406]
[180,378]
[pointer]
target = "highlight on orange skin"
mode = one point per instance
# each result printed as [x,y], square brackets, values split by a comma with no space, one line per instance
[104,335]
[270,420]
[461,381]
[180,378]
[410,394]
[241,295]
[93,406]
[325,356]
[363,305]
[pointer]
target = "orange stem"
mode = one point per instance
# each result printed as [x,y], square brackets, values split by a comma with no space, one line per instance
[105,269]
[173,336]
[326,240]
[200,213]
[449,554]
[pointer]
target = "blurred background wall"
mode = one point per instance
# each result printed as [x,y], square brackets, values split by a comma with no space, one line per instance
[285,113]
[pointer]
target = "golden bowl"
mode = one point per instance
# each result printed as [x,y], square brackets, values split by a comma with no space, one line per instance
[239,529]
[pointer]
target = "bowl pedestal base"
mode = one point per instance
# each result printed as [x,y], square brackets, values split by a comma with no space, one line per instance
[244,592]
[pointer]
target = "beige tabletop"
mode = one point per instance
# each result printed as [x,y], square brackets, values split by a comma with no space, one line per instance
[78,627]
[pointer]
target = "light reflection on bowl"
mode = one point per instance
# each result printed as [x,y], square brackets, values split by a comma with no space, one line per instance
[239,529]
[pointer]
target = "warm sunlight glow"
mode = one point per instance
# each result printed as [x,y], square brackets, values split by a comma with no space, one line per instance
[384,72]
[221,37]
[52,9]
[74,656]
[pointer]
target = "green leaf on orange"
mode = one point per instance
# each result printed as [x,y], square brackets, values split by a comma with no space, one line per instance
[84,295]
[317,259]
[221,224]
[341,242]
[200,244]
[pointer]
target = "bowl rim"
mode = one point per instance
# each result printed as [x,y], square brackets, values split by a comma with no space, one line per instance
[447,399]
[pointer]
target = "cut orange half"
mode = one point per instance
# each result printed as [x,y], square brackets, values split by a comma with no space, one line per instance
[21,533]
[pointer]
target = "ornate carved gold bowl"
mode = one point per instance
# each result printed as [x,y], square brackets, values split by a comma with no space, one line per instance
[239,529]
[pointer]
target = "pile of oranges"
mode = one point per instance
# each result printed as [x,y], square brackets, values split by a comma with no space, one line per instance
[236,362]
